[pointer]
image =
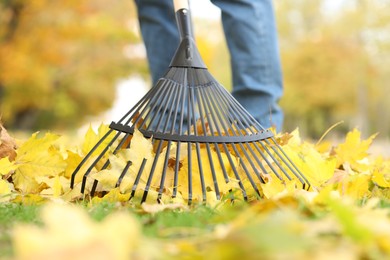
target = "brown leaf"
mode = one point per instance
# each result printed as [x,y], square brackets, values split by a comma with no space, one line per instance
[7,144]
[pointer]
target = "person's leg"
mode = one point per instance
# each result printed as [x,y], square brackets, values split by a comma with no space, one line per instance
[251,35]
[159,33]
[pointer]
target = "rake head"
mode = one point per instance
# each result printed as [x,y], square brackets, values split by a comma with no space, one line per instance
[201,139]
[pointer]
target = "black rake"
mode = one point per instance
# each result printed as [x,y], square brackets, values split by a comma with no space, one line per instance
[188,114]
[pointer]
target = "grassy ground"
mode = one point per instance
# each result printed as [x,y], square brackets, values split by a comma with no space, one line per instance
[168,224]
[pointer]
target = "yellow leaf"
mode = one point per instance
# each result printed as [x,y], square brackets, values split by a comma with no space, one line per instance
[381,179]
[5,190]
[109,177]
[354,151]
[29,199]
[91,139]
[381,173]
[56,185]
[140,149]
[275,187]
[113,195]
[355,185]
[6,166]
[37,157]
[315,167]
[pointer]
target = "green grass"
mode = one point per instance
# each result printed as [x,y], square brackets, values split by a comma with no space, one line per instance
[177,223]
[10,214]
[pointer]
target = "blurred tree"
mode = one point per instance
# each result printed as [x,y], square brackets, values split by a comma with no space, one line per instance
[59,60]
[332,70]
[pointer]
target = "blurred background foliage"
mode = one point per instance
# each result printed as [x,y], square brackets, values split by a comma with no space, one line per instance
[60,61]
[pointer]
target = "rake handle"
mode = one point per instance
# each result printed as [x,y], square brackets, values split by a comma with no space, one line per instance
[180,4]
[183,18]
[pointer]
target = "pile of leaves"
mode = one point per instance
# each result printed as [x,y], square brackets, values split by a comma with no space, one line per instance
[345,214]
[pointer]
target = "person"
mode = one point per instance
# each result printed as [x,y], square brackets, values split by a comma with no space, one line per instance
[251,35]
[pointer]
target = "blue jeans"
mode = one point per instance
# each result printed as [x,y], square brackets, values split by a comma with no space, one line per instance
[250,32]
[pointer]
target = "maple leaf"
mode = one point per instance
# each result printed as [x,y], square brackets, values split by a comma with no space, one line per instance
[353,150]
[6,166]
[314,166]
[37,157]
[381,173]
[92,138]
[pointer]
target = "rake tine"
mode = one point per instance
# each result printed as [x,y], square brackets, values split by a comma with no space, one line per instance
[159,112]
[160,191]
[177,164]
[272,146]
[152,172]
[141,169]
[256,158]
[107,163]
[291,165]
[201,175]
[189,174]
[176,173]
[246,171]
[213,172]
[87,157]
[274,159]
[140,103]
[119,181]
[151,101]
[251,163]
[267,161]
[224,145]
[235,172]
[102,153]
[201,112]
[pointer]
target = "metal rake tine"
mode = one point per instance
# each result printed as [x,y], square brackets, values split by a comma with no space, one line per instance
[107,163]
[180,130]
[266,160]
[213,173]
[214,117]
[137,179]
[152,102]
[254,155]
[119,181]
[201,175]
[207,105]
[176,172]
[246,171]
[159,112]
[244,193]
[151,173]
[274,159]
[291,165]
[87,157]
[96,161]
[189,156]
[251,163]
[165,167]
[139,104]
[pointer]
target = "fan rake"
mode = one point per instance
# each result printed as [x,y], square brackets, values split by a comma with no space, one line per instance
[202,137]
